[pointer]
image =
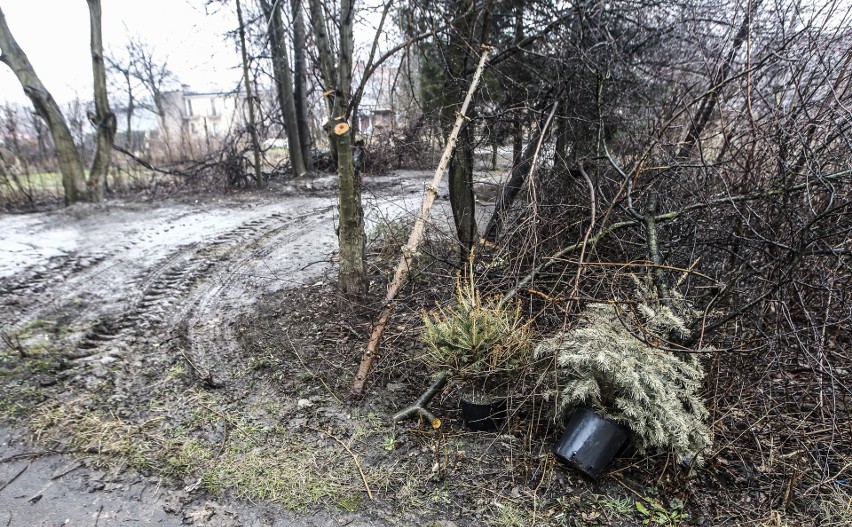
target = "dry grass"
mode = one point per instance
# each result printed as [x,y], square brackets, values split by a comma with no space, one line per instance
[250,459]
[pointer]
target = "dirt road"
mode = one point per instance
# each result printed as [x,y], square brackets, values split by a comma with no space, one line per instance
[115,287]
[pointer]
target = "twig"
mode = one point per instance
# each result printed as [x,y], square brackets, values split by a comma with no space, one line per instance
[15,476]
[149,166]
[13,345]
[23,455]
[357,462]
[593,217]
[74,466]
[205,376]
[623,484]
[419,407]
[324,260]
[98,517]
[305,366]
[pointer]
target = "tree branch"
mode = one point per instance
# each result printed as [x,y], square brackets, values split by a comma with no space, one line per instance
[669,216]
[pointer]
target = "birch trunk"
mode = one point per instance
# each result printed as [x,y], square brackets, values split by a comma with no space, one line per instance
[410,249]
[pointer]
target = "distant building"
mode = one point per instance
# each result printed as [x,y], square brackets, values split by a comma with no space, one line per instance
[196,116]
[386,103]
[377,122]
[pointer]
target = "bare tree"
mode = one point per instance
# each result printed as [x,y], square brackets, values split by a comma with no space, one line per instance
[127,85]
[155,76]
[252,121]
[70,165]
[458,61]
[300,83]
[103,118]
[337,76]
[75,113]
[284,83]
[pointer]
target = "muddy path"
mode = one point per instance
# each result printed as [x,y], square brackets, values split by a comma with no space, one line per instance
[187,362]
[109,308]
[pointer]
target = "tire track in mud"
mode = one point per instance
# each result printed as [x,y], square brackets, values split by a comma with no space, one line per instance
[90,271]
[207,324]
[20,290]
[162,296]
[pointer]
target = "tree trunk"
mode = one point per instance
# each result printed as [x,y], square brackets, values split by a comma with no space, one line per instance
[300,85]
[70,165]
[131,107]
[523,169]
[560,154]
[708,104]
[284,83]
[517,139]
[352,277]
[516,180]
[517,121]
[252,124]
[104,118]
[461,167]
[329,79]
[352,273]
[462,199]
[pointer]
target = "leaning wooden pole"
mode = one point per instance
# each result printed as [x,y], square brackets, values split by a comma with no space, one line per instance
[414,239]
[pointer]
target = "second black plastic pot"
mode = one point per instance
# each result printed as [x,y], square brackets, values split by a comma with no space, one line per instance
[590,442]
[485,416]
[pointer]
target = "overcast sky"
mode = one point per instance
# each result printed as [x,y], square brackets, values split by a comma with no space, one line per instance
[55,36]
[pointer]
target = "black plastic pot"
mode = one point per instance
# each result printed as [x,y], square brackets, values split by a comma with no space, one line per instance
[483,416]
[590,442]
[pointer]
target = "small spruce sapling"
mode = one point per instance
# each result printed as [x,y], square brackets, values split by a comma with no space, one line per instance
[478,341]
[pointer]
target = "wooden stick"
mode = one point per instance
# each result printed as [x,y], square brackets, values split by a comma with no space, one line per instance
[419,407]
[414,239]
[357,462]
[13,478]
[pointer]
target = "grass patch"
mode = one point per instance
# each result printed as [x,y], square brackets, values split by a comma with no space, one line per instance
[836,504]
[115,441]
[186,458]
[230,452]
[293,475]
[507,515]
[38,183]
